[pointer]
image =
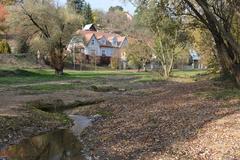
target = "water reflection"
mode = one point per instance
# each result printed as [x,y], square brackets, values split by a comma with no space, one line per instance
[59,145]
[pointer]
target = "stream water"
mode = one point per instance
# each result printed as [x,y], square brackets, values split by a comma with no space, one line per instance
[57,145]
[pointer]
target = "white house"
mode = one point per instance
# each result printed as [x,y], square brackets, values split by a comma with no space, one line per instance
[93,43]
[195,59]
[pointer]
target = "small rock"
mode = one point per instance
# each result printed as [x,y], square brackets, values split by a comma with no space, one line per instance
[9,136]
[96,117]
[122,89]
[68,153]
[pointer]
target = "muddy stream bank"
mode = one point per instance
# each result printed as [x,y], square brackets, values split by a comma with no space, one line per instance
[60,144]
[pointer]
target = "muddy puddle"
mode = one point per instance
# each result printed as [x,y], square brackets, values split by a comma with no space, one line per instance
[58,145]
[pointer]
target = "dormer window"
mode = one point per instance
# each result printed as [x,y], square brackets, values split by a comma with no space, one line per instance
[114,42]
[103,41]
[93,42]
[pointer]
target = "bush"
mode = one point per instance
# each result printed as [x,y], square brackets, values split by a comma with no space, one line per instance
[22,45]
[213,65]
[115,62]
[4,47]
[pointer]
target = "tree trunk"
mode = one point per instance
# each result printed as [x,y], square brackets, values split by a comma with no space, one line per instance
[236,73]
[227,46]
[228,64]
[59,72]
[165,71]
[57,61]
[221,51]
[144,67]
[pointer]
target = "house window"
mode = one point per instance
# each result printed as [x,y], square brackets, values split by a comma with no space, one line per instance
[103,42]
[92,42]
[114,42]
[103,53]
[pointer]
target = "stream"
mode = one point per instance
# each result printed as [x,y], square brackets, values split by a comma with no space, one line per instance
[57,145]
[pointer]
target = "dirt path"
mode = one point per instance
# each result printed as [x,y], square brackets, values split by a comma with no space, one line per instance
[14,87]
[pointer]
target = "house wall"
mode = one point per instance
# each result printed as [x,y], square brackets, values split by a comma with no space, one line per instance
[124,43]
[108,51]
[114,42]
[93,48]
[103,41]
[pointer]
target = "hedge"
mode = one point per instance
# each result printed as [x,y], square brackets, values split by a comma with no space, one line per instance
[4,47]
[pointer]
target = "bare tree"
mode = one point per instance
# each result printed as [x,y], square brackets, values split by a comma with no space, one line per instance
[49,24]
[217,16]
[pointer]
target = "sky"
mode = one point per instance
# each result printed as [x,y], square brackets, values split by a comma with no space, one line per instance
[105,4]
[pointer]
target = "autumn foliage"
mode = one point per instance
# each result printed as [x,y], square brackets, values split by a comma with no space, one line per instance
[3,13]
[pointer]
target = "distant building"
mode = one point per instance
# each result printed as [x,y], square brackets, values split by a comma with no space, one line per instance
[194,59]
[129,16]
[90,27]
[98,45]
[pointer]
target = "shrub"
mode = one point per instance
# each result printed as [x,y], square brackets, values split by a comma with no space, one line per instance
[213,65]
[4,47]
[22,46]
[115,62]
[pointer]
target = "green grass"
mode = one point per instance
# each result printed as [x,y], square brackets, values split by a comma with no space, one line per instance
[187,73]
[222,94]
[182,74]
[13,77]
[31,76]
[149,77]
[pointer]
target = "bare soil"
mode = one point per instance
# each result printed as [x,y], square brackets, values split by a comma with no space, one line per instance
[152,121]
[166,121]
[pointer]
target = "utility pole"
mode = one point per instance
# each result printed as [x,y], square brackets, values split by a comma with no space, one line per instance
[74,56]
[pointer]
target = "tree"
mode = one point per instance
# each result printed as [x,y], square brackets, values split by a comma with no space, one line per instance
[114,22]
[167,39]
[3,13]
[116,59]
[116,8]
[204,44]
[98,17]
[217,16]
[50,25]
[76,5]
[83,8]
[87,13]
[3,16]
[10,2]
[167,49]
[4,47]
[138,54]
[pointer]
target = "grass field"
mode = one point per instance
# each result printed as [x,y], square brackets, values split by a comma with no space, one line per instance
[29,76]
[37,81]
[34,81]
[12,76]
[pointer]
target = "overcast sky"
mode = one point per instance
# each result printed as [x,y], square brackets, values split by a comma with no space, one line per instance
[105,4]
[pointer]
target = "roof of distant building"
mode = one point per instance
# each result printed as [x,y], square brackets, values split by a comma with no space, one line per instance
[108,36]
[129,16]
[90,27]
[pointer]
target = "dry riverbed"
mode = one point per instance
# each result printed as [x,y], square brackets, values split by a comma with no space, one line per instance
[153,120]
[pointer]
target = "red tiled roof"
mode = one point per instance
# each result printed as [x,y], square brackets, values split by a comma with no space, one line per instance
[109,36]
